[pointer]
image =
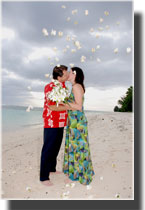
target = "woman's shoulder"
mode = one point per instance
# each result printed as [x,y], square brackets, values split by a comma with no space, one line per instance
[78,87]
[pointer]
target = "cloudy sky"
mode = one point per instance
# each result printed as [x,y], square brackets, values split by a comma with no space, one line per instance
[28,54]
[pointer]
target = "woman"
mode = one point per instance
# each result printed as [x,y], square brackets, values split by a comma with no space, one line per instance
[77,159]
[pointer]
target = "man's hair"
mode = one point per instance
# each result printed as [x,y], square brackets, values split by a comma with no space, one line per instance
[58,71]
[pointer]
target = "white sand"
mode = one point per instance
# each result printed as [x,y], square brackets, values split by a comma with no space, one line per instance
[111,144]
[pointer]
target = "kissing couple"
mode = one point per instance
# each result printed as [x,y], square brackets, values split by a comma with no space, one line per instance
[77,164]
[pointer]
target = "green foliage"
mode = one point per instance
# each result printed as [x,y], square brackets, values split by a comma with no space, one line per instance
[125,102]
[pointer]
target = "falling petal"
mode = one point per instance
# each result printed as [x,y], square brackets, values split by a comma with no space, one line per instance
[86,12]
[74,11]
[68,19]
[101,178]
[49,58]
[64,50]
[76,22]
[97,35]
[100,28]
[67,185]
[77,44]
[63,6]
[60,33]
[28,189]
[55,49]
[57,59]
[46,75]
[45,32]
[73,37]
[89,187]
[51,64]
[128,49]
[13,172]
[73,50]
[53,32]
[106,13]
[83,58]
[117,195]
[116,50]
[93,50]
[107,27]
[29,88]
[118,23]
[72,185]
[113,165]
[91,30]
[98,47]
[68,38]
[98,60]
[29,108]
[67,46]
[101,20]
[71,64]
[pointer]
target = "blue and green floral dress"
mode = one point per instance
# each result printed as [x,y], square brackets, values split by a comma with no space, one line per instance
[77,158]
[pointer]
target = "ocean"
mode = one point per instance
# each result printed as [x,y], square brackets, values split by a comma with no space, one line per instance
[16,117]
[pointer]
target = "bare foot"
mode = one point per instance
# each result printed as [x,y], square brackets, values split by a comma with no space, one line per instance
[57,172]
[47,183]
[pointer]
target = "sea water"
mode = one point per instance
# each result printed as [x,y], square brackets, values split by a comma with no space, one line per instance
[16,117]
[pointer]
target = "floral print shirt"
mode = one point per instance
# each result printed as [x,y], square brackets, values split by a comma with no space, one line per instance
[52,119]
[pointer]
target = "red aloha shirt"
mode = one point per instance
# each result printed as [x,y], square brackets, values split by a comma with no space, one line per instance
[52,119]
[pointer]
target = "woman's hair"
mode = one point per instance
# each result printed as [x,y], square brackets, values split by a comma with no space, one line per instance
[58,71]
[79,76]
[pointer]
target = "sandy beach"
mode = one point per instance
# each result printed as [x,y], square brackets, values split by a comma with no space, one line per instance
[111,141]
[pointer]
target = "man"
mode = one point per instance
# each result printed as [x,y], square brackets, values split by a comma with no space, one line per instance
[54,123]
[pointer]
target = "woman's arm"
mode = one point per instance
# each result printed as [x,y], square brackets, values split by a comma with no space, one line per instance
[57,108]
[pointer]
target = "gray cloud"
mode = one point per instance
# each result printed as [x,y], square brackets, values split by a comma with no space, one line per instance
[28,18]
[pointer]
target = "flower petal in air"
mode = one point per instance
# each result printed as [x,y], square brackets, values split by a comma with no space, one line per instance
[89,187]
[107,27]
[74,11]
[68,19]
[83,58]
[106,13]
[71,64]
[45,32]
[118,23]
[60,33]
[63,7]
[86,12]
[116,50]
[101,20]
[100,28]
[93,50]
[98,60]
[28,189]
[73,50]
[53,32]
[98,47]
[29,88]
[128,49]
[46,75]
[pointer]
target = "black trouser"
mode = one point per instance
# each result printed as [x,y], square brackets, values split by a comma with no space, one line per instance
[52,142]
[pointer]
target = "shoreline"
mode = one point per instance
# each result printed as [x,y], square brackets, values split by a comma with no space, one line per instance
[111,145]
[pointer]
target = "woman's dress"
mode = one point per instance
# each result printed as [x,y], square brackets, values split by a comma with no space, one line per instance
[77,158]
